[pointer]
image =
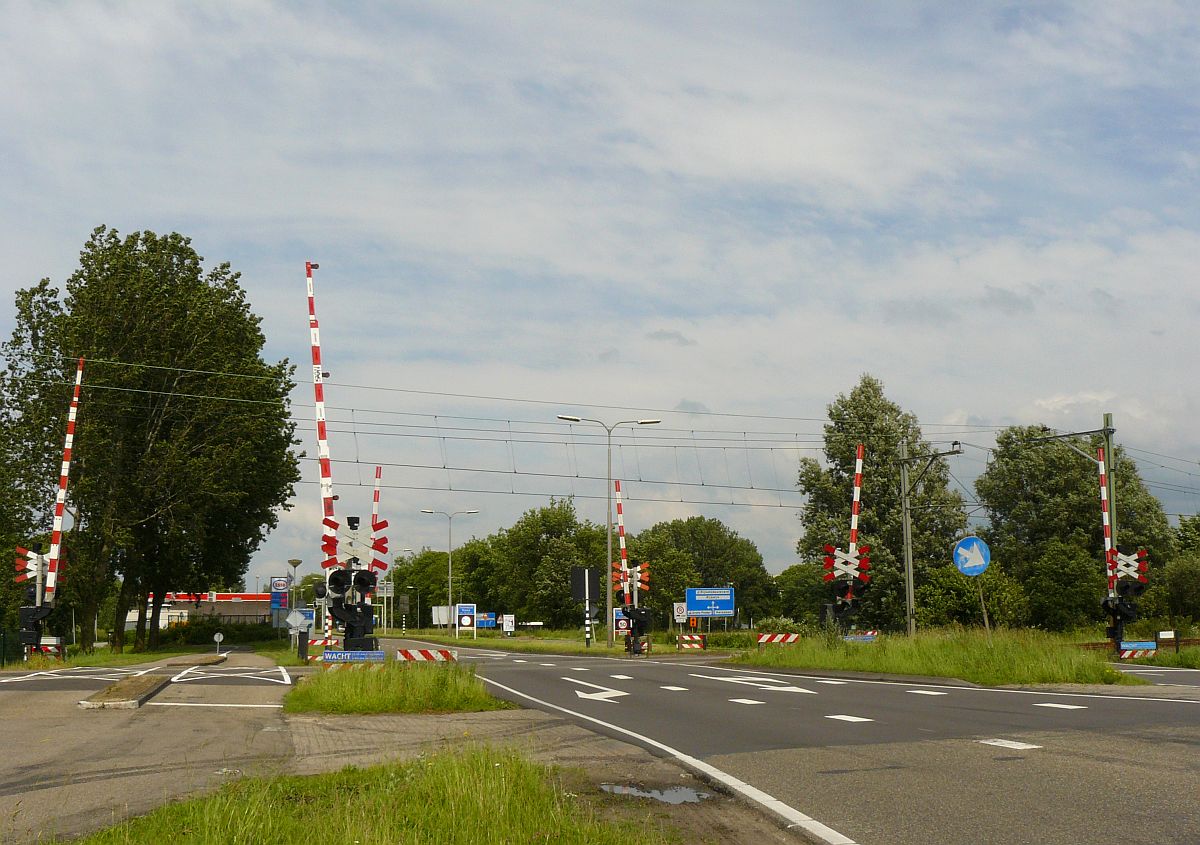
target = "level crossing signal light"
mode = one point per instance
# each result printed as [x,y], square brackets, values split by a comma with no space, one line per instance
[357,617]
[643,576]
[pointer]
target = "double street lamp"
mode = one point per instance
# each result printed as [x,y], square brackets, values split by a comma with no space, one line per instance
[449,554]
[608,429]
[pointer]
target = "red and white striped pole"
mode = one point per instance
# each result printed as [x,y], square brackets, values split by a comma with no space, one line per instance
[60,500]
[328,523]
[1110,558]
[856,504]
[621,539]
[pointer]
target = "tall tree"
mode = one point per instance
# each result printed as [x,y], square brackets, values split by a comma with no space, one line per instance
[867,416]
[1037,494]
[718,556]
[184,443]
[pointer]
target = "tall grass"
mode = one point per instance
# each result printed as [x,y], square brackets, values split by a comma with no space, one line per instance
[1007,657]
[455,798]
[393,687]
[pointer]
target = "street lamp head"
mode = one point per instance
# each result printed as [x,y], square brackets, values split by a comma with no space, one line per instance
[648,422]
[427,510]
[470,511]
[570,418]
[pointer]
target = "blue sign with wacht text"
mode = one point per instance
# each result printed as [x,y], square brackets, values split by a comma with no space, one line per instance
[353,656]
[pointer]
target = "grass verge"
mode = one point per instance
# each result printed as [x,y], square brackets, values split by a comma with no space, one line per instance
[1187,658]
[393,687]
[1008,657]
[454,798]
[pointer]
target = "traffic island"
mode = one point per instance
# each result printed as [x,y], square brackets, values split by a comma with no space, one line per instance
[126,694]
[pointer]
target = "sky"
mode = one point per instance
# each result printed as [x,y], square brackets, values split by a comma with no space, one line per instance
[719,215]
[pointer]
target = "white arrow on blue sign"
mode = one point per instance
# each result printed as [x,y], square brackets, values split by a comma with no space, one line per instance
[972,556]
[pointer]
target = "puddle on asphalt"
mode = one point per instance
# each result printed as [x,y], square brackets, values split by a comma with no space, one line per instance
[673,795]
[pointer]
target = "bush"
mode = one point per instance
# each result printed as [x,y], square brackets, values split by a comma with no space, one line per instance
[200,632]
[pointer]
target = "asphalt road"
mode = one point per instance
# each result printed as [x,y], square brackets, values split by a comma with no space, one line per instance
[890,763]
[1164,676]
[66,770]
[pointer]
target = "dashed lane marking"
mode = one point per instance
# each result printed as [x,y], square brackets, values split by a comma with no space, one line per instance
[1009,743]
[675,689]
[925,692]
[844,718]
[622,677]
[840,683]
[1061,706]
[746,701]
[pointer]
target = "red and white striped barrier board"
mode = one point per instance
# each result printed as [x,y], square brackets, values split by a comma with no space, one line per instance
[692,641]
[778,638]
[1130,653]
[438,655]
[322,643]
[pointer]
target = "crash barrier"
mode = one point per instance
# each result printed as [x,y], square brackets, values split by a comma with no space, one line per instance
[691,641]
[763,639]
[438,655]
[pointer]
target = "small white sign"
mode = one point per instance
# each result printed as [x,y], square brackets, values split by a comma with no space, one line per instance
[217,637]
[680,611]
[509,622]
[279,584]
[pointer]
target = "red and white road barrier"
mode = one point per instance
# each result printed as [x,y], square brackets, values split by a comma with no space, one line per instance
[436,655]
[60,499]
[778,638]
[1129,653]
[692,641]
[320,643]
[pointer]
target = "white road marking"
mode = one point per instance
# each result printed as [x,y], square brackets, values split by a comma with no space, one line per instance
[1061,706]
[519,661]
[579,669]
[546,664]
[792,816]
[763,684]
[925,692]
[746,701]
[605,694]
[843,718]
[200,673]
[197,704]
[1009,743]
[622,677]
[831,682]
[675,689]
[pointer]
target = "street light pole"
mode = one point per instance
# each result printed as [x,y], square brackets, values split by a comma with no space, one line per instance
[450,558]
[608,592]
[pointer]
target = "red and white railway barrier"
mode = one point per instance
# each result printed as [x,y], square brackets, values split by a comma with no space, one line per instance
[436,655]
[60,500]
[691,641]
[778,638]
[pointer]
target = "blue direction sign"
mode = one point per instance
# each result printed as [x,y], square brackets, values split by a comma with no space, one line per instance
[353,656]
[709,601]
[972,556]
[486,619]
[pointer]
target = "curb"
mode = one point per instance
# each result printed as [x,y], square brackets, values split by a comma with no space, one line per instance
[140,689]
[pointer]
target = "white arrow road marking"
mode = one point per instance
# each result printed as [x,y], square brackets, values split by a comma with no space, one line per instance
[925,692]
[605,694]
[850,718]
[1008,743]
[765,683]
[1062,706]
[746,701]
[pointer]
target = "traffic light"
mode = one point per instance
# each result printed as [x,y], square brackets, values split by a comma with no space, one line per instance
[340,581]
[364,582]
[30,618]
